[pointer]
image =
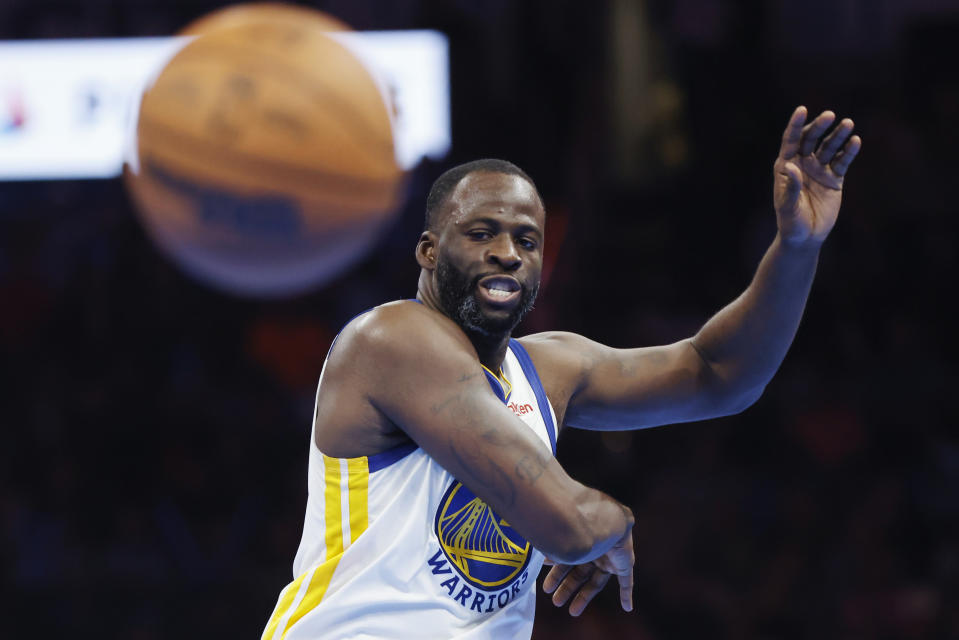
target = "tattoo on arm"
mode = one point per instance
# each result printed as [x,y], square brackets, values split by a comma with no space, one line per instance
[438,408]
[531,467]
[456,397]
[468,440]
[498,482]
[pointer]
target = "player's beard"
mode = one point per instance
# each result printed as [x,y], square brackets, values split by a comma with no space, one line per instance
[458,297]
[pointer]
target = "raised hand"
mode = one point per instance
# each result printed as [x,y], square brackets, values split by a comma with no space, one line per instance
[582,582]
[809,171]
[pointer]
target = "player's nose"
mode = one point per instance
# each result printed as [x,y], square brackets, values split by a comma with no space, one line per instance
[503,252]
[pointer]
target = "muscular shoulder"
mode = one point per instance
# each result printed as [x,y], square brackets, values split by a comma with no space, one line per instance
[396,352]
[570,353]
[400,334]
[563,361]
[562,341]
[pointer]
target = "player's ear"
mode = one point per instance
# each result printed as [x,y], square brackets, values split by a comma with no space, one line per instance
[426,250]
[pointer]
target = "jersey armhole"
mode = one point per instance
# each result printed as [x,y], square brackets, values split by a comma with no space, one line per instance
[526,363]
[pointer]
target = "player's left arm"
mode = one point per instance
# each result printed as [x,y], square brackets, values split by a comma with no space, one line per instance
[727,364]
[724,367]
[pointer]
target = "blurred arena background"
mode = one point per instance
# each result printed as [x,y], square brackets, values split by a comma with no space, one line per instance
[154,431]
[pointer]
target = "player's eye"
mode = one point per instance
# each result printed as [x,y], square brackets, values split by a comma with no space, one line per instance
[527,243]
[480,234]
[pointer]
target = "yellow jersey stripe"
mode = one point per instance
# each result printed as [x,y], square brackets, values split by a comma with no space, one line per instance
[333,513]
[357,519]
[315,592]
[286,599]
[359,485]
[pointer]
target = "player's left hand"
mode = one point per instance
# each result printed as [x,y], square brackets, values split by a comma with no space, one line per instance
[809,171]
[582,582]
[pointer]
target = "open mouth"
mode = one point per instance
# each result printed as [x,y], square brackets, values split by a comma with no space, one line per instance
[500,289]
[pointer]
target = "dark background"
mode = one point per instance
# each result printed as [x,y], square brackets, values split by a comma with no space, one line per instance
[154,432]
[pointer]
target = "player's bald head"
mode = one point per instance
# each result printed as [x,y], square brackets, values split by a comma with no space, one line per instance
[444,186]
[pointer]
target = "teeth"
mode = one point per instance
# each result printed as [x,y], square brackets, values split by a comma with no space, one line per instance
[499,293]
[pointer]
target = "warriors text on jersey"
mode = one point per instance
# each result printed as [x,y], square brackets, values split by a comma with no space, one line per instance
[395,547]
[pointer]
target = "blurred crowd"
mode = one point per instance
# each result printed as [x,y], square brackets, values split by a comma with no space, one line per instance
[154,432]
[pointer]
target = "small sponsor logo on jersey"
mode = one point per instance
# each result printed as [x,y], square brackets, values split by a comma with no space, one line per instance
[520,409]
[482,560]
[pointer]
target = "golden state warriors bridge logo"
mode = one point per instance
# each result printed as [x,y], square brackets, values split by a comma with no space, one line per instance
[482,547]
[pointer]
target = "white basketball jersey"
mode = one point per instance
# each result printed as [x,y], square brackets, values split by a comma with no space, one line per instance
[395,547]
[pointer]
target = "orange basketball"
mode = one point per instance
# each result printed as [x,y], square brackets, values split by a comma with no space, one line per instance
[265,161]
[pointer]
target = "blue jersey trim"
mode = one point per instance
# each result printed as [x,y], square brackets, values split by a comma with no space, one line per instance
[384,459]
[530,371]
[496,384]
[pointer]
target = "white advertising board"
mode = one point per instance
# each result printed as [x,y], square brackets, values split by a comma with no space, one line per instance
[67,107]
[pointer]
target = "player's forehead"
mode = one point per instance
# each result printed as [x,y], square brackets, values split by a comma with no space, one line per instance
[503,195]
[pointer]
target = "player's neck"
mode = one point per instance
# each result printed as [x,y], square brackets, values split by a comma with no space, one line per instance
[491,348]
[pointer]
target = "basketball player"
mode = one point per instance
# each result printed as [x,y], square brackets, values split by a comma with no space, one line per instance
[434,496]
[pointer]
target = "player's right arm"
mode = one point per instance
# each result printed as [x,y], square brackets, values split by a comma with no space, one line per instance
[421,372]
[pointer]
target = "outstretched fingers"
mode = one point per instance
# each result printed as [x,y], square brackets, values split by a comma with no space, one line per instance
[832,143]
[567,581]
[793,134]
[555,577]
[579,584]
[588,591]
[813,131]
[840,163]
[837,150]
[626,590]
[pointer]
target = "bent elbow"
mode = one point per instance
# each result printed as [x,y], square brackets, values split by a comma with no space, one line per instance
[739,402]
